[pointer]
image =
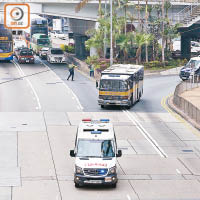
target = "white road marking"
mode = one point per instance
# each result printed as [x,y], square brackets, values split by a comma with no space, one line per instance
[178,171]
[68,89]
[128,197]
[30,84]
[148,137]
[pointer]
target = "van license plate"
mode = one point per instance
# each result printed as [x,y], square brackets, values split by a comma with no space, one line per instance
[93,181]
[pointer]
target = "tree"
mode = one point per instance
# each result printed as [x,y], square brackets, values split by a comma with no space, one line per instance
[123,41]
[163,29]
[141,39]
[146,29]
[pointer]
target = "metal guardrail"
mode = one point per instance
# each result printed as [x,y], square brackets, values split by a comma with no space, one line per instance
[188,108]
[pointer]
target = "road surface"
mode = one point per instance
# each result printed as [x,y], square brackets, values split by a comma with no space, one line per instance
[39,114]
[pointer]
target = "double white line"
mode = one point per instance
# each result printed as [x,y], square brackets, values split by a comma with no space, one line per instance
[23,75]
[147,136]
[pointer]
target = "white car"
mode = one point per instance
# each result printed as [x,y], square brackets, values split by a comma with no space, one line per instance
[60,35]
[43,52]
[195,47]
[56,55]
[19,43]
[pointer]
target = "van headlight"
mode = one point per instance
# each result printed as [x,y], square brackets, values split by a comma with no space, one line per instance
[112,170]
[79,170]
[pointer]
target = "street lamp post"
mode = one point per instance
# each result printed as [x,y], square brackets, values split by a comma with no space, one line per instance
[105,29]
[111,34]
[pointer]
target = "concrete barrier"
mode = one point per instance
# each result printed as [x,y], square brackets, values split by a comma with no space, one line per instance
[184,106]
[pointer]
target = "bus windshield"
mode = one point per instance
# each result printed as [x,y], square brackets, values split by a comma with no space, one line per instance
[5,47]
[95,148]
[43,41]
[113,85]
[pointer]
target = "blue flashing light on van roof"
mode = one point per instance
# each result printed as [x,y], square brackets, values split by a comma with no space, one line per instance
[104,120]
[95,132]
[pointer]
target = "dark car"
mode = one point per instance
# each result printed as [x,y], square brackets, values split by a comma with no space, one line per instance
[17,51]
[26,56]
[192,66]
[43,53]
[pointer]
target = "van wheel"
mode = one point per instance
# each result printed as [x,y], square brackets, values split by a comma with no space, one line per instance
[114,185]
[77,185]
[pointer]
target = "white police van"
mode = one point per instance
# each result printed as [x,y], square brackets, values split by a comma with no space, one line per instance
[95,152]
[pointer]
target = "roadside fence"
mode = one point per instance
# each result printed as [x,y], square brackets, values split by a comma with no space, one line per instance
[188,108]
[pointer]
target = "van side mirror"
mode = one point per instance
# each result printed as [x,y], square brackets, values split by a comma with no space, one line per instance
[72,154]
[97,84]
[119,153]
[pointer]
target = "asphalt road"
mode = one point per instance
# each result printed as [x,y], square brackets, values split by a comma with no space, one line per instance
[39,114]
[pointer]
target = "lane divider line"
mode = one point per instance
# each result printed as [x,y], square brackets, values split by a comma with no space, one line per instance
[29,82]
[147,136]
[68,88]
[177,116]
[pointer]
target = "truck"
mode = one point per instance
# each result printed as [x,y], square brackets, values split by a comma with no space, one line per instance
[121,84]
[95,154]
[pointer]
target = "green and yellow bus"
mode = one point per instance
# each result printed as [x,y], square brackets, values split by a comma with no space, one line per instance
[38,41]
[6,44]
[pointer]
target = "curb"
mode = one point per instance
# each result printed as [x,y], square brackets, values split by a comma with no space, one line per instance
[181,113]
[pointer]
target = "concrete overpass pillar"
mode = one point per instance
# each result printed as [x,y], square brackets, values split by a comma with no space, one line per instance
[80,50]
[185,47]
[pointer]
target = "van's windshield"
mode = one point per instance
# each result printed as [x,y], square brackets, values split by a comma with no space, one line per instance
[95,148]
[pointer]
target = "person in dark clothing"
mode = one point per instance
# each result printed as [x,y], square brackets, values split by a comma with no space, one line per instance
[71,71]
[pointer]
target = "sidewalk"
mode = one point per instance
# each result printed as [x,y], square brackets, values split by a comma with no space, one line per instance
[83,68]
[193,96]
[189,106]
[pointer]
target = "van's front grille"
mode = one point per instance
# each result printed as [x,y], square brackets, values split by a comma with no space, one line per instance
[95,172]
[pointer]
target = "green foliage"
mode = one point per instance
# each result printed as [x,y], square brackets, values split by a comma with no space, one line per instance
[99,63]
[91,60]
[124,42]
[67,48]
[168,64]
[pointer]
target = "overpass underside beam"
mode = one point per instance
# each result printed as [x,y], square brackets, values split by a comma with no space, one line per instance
[188,34]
